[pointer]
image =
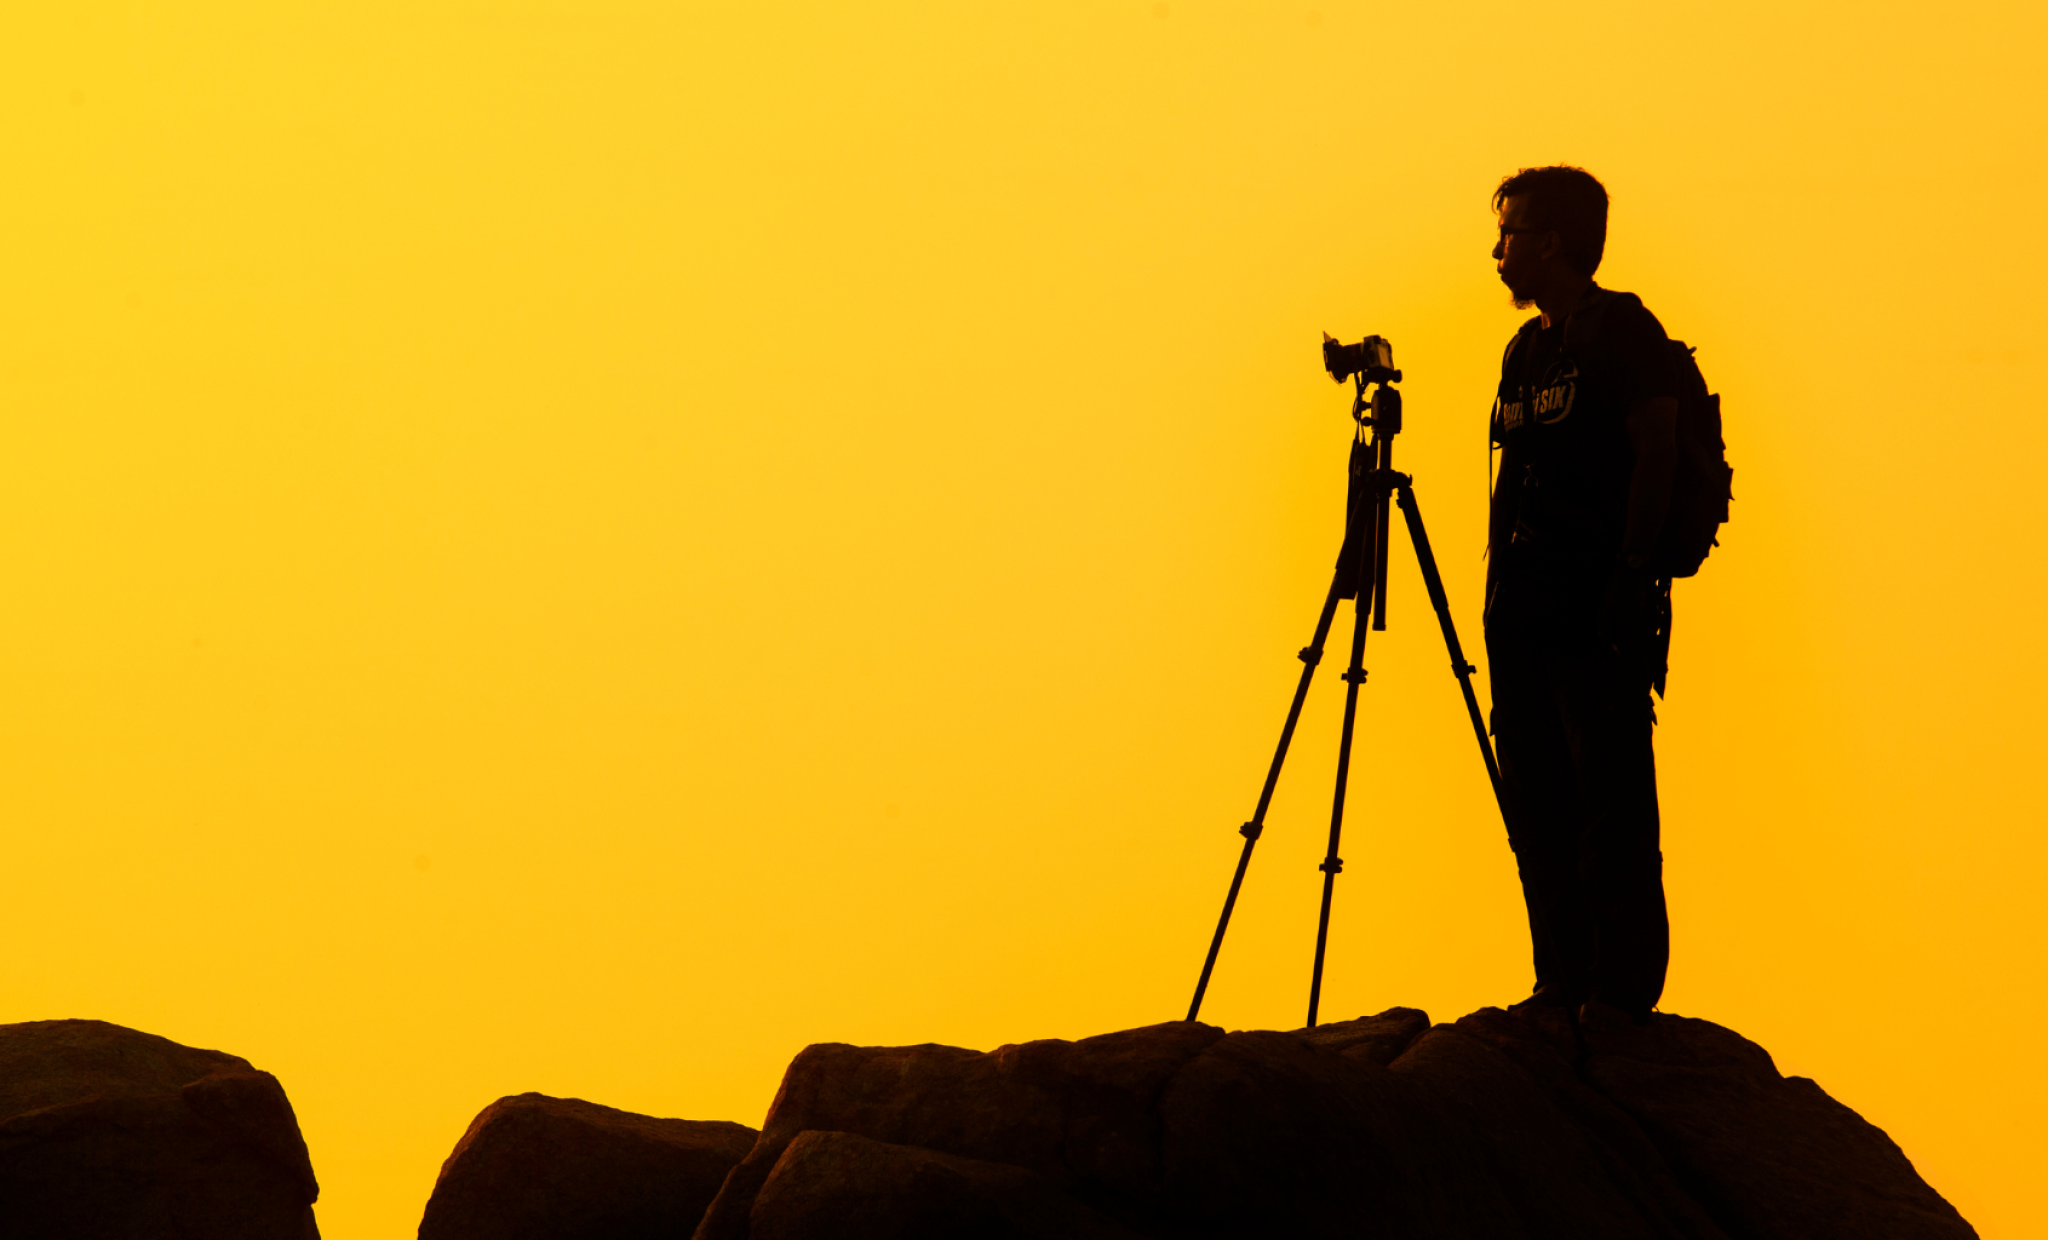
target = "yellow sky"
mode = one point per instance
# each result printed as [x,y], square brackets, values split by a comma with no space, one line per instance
[586,547]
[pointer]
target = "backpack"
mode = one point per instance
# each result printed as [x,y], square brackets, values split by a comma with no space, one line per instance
[1702,484]
[1701,481]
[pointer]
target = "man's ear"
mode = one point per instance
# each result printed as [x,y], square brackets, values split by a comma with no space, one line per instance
[1552,246]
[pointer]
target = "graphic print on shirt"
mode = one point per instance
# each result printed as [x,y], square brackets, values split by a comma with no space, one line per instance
[1550,401]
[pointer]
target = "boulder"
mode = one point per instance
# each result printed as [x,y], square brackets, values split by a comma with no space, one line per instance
[533,1167]
[1380,1038]
[851,1188]
[1268,1133]
[1771,1156]
[1542,1047]
[108,1132]
[1503,1125]
[1557,1177]
[1083,1114]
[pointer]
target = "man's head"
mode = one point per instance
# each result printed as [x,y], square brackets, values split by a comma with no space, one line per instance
[1553,228]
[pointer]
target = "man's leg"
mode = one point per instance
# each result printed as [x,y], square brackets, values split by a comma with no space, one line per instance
[1541,802]
[1608,722]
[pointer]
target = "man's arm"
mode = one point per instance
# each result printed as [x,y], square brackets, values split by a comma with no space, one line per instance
[1653,432]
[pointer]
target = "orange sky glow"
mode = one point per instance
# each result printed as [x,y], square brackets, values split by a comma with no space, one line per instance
[583,548]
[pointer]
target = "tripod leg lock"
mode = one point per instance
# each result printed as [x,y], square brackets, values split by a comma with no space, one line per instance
[1310,655]
[1354,677]
[1464,669]
[1332,865]
[1251,830]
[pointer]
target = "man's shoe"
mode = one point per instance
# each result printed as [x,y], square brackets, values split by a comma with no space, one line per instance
[1545,997]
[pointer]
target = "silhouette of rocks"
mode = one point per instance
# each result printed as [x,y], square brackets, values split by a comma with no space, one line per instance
[1084,1114]
[533,1167]
[1500,1126]
[837,1184]
[108,1132]
[1380,1039]
[1567,1159]
[1770,1155]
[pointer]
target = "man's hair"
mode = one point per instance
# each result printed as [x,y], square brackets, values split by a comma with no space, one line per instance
[1568,202]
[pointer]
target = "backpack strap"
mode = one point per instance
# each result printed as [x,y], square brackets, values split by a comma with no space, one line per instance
[1526,332]
[1582,326]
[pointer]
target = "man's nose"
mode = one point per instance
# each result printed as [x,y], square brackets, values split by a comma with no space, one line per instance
[1499,248]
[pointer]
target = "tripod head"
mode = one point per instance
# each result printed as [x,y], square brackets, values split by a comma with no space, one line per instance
[1381,410]
[1369,363]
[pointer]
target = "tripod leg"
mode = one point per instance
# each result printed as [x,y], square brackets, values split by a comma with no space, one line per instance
[1354,679]
[1310,655]
[1372,610]
[1381,527]
[1463,670]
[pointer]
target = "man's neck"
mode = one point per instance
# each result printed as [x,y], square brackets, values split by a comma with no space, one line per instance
[1557,301]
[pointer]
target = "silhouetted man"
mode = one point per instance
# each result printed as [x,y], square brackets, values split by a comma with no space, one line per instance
[1586,421]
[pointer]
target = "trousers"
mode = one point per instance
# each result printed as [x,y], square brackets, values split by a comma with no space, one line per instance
[1572,720]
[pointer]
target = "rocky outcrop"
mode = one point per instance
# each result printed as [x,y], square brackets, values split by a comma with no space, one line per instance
[107,1132]
[841,1185]
[533,1167]
[1502,1126]
[1498,1126]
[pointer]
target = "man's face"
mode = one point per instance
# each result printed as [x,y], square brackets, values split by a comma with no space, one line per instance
[1518,255]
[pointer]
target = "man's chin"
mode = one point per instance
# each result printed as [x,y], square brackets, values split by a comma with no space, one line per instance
[1521,302]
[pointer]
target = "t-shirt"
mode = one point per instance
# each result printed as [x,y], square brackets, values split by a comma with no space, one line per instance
[1560,504]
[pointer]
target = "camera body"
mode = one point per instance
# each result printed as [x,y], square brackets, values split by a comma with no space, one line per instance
[1371,358]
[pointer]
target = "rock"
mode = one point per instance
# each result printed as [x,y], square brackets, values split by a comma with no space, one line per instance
[1084,1114]
[1268,1133]
[108,1132]
[1772,1157]
[851,1188]
[1558,1178]
[533,1167]
[1541,1045]
[1380,1039]
[1498,1127]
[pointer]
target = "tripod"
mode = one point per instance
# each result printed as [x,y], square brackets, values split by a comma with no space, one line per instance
[1361,575]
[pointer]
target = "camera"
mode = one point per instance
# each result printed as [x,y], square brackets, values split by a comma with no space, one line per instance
[1372,359]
